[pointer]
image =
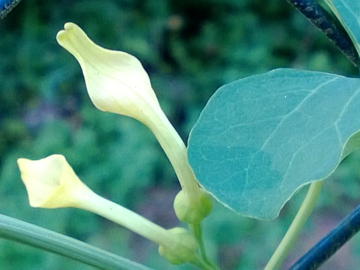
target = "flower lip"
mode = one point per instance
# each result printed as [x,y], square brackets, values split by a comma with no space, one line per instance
[116,81]
[51,182]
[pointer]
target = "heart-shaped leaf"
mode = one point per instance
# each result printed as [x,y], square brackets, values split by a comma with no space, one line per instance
[261,138]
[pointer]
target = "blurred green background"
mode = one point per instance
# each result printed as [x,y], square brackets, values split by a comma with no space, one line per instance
[189,48]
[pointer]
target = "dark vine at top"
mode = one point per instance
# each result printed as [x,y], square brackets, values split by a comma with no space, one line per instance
[6,6]
[327,24]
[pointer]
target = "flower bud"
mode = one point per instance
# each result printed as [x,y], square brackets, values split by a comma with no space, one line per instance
[192,213]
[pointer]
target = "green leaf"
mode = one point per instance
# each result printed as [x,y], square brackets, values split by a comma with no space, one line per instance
[25,233]
[348,13]
[261,138]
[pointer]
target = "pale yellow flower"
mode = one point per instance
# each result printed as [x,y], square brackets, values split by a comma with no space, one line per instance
[117,83]
[52,183]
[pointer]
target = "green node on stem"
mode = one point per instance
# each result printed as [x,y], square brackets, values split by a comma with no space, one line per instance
[192,211]
[179,254]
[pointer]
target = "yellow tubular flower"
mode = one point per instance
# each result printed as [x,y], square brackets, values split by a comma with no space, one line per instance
[52,183]
[117,83]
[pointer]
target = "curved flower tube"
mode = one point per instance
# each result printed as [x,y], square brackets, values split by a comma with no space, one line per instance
[52,183]
[117,83]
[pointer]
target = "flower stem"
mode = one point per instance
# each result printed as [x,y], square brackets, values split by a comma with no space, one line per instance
[294,230]
[125,217]
[175,150]
[197,232]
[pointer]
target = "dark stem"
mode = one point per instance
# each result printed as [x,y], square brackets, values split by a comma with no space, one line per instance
[6,6]
[326,23]
[331,243]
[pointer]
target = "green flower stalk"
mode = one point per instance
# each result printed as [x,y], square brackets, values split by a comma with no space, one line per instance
[117,83]
[52,183]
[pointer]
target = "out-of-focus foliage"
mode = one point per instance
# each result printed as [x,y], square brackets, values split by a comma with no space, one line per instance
[189,48]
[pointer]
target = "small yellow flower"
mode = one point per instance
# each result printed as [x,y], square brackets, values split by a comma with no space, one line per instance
[51,182]
[117,83]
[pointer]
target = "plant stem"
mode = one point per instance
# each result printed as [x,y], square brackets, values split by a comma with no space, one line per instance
[323,21]
[25,233]
[7,6]
[176,151]
[331,243]
[197,232]
[94,203]
[294,230]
